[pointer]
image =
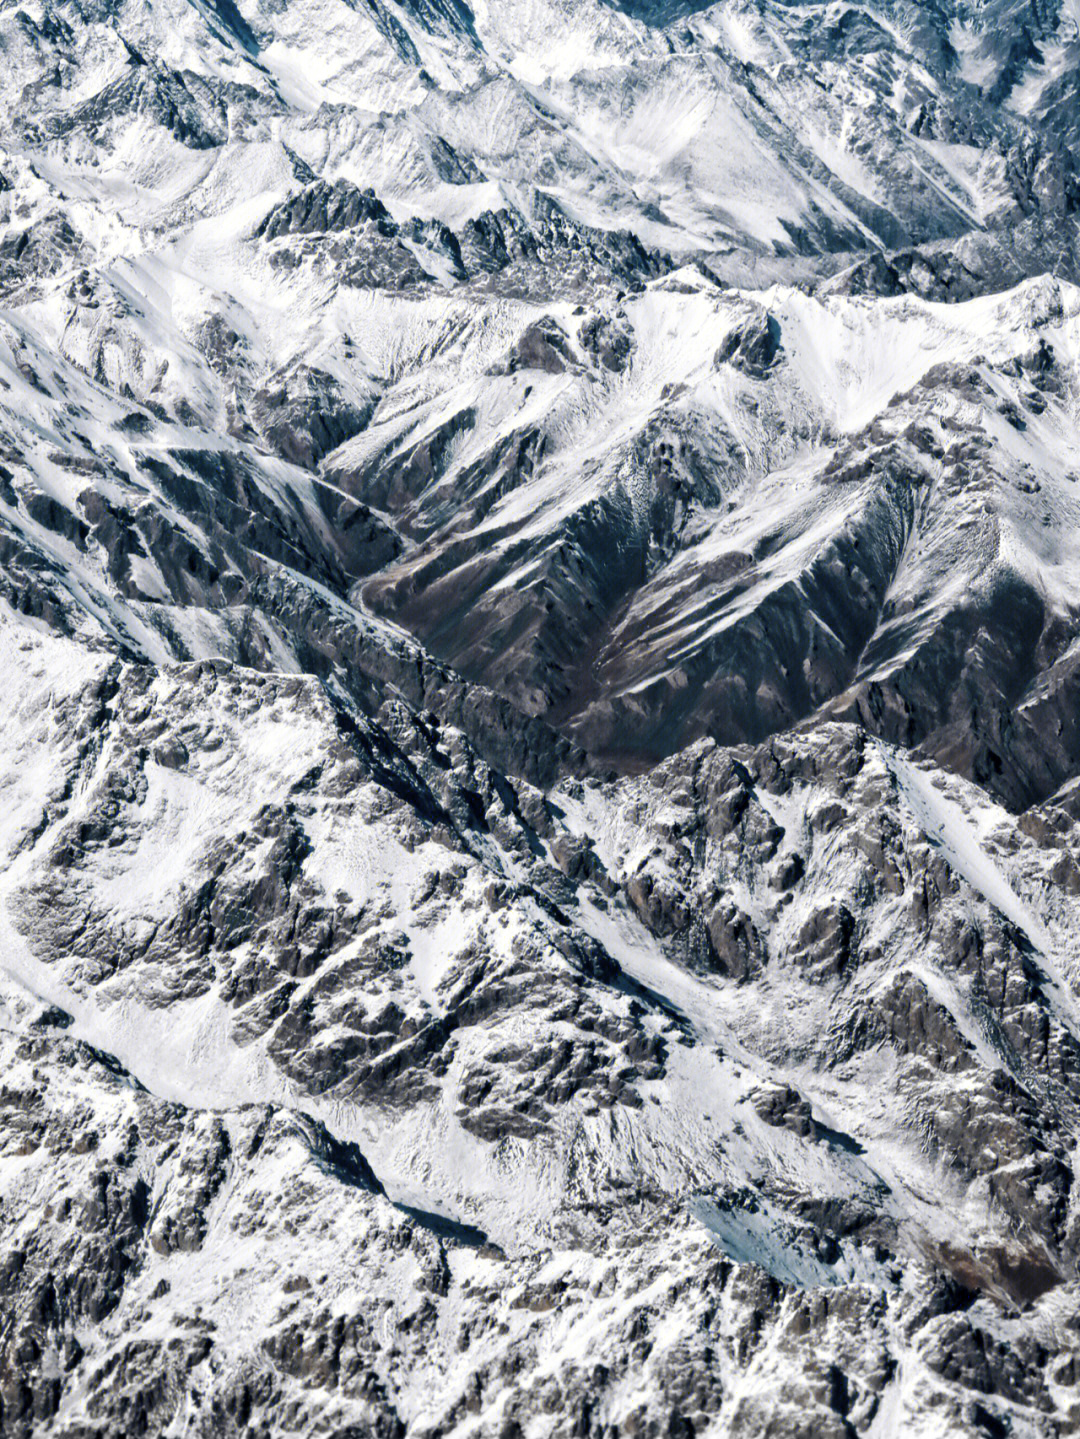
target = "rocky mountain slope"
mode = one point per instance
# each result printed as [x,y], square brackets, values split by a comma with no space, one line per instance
[540,630]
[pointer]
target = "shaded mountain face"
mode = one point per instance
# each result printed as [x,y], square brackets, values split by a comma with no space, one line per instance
[539,624]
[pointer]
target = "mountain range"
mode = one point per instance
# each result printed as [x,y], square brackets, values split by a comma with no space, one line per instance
[540,645]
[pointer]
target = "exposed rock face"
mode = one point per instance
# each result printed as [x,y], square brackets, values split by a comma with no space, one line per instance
[539,623]
[752,347]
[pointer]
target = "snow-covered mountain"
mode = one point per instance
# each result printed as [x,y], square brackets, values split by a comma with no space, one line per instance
[540,631]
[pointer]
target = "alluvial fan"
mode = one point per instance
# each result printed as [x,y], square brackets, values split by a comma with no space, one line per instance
[540,742]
